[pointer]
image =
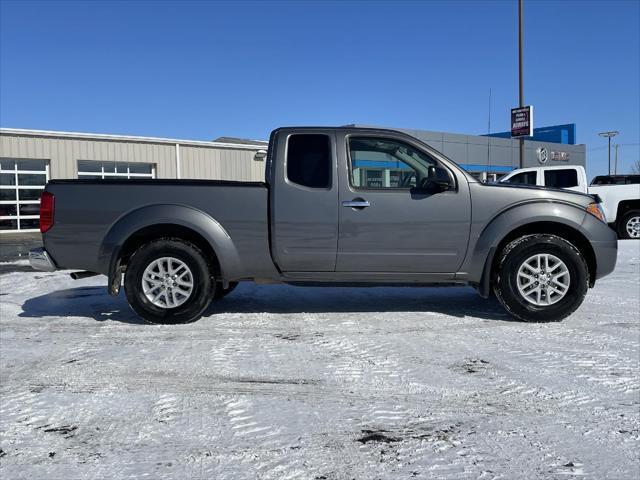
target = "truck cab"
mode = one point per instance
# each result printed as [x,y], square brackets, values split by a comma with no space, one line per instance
[568,177]
[347,201]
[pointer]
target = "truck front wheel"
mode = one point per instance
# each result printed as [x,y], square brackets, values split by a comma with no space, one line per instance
[541,278]
[168,281]
[629,225]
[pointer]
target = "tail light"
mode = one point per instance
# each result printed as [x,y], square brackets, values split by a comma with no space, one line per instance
[47,209]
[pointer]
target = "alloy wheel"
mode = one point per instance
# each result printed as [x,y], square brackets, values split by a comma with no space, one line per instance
[633,226]
[543,279]
[167,282]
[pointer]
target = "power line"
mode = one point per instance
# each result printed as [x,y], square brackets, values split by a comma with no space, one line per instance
[602,147]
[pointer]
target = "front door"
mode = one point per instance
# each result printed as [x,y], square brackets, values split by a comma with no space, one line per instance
[385,225]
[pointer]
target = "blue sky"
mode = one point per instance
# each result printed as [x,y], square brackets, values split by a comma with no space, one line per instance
[199,70]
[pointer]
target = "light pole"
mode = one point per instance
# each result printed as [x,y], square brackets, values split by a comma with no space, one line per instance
[615,163]
[521,85]
[608,135]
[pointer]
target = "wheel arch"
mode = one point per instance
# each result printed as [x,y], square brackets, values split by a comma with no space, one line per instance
[561,230]
[173,231]
[168,221]
[566,223]
[626,205]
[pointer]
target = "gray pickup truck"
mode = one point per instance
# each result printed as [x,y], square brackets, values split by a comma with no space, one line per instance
[339,206]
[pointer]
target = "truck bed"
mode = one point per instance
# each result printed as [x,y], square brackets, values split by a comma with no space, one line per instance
[156,181]
[87,210]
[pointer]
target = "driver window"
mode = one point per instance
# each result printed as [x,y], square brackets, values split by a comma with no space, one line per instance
[381,163]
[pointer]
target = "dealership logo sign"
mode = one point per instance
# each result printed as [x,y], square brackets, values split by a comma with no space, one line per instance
[560,156]
[542,154]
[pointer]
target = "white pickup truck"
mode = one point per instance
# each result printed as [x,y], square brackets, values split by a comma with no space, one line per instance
[620,194]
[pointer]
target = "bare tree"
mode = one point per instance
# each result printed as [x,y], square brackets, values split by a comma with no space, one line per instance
[635,167]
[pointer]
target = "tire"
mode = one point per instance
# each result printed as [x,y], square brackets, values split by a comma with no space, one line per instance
[629,225]
[223,292]
[511,271]
[179,308]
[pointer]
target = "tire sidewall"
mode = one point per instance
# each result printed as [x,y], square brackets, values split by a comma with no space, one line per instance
[517,253]
[622,229]
[197,302]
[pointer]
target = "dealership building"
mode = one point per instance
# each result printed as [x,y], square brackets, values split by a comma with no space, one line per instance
[29,158]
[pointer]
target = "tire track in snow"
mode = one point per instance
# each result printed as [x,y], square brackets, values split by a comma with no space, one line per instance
[168,408]
[24,407]
[256,424]
[561,365]
[616,374]
[357,361]
[253,428]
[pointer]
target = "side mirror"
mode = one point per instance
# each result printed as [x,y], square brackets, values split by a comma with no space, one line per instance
[438,180]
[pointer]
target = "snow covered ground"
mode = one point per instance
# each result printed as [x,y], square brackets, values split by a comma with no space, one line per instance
[283,382]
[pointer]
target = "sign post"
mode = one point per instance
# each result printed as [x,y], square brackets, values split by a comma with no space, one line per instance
[520,77]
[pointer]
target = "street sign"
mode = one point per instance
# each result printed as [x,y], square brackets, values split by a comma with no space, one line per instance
[522,122]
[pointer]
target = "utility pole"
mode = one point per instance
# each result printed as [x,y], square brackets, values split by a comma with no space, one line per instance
[520,74]
[615,165]
[489,133]
[489,119]
[608,135]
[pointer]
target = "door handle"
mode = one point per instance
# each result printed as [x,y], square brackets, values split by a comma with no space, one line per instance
[357,203]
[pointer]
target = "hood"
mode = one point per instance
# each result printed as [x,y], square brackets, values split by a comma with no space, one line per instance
[541,193]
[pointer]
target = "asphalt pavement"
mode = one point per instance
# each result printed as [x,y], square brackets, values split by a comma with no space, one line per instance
[16,246]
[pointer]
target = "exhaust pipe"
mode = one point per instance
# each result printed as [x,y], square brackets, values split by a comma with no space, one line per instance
[80,275]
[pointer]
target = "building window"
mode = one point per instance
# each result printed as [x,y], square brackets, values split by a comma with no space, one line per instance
[21,183]
[104,170]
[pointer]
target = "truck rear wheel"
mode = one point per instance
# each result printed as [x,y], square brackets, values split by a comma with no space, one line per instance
[168,281]
[541,278]
[629,225]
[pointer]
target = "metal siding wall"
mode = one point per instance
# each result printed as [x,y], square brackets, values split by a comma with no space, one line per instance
[478,150]
[63,153]
[220,163]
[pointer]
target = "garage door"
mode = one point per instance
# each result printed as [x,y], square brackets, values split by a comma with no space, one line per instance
[21,183]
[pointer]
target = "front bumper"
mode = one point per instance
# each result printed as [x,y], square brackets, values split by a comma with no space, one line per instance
[606,253]
[39,259]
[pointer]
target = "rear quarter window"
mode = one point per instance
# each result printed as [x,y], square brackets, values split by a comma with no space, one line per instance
[567,178]
[309,160]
